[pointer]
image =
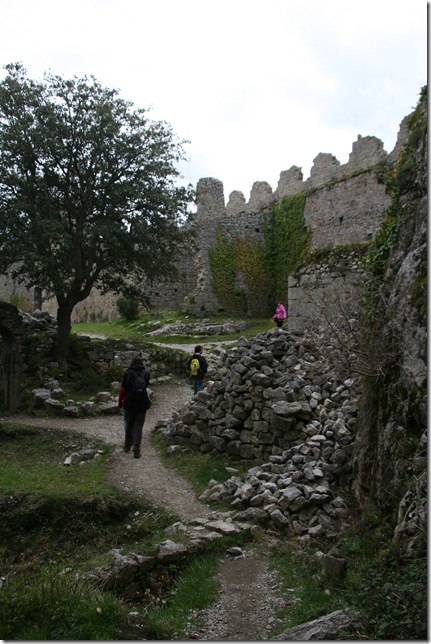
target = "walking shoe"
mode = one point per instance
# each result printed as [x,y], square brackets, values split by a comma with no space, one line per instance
[137,454]
[126,449]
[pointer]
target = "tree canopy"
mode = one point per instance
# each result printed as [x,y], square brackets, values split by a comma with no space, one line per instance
[89,193]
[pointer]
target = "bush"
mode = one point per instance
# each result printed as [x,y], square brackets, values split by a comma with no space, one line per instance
[394,598]
[115,373]
[128,307]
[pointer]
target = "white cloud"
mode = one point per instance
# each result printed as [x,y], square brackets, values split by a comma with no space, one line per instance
[256,86]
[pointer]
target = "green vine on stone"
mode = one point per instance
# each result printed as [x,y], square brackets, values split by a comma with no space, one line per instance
[222,264]
[251,276]
[287,242]
[250,261]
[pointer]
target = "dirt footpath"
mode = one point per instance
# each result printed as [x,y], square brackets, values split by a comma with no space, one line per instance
[249,593]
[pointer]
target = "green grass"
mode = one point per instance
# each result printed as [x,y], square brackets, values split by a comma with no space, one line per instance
[32,461]
[46,605]
[123,329]
[54,518]
[300,571]
[198,468]
[195,590]
[67,511]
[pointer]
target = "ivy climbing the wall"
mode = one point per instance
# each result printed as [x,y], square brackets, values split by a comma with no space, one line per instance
[239,275]
[222,264]
[287,243]
[250,261]
[249,276]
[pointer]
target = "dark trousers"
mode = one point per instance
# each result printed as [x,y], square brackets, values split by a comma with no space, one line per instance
[134,424]
[198,383]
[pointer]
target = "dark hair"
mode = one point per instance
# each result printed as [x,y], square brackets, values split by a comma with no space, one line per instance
[137,360]
[198,348]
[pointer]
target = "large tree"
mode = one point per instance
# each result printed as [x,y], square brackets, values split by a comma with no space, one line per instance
[89,192]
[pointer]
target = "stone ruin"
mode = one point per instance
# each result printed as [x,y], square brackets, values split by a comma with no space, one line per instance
[345,204]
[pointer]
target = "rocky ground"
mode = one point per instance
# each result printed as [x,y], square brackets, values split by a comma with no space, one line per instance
[249,594]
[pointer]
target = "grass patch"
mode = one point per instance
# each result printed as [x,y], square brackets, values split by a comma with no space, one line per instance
[49,536]
[195,590]
[198,468]
[125,330]
[32,461]
[299,571]
[56,519]
[45,604]
[60,512]
[388,590]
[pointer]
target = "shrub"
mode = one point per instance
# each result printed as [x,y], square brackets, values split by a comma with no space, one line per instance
[394,598]
[128,307]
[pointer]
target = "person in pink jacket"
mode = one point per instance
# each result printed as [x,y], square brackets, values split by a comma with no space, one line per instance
[280,315]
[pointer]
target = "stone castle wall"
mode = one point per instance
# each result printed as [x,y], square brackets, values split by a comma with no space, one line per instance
[344,204]
[327,292]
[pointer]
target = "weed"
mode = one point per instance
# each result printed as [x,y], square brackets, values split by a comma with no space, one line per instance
[393,596]
[196,467]
[389,590]
[128,307]
[308,594]
[196,589]
[47,604]
[85,381]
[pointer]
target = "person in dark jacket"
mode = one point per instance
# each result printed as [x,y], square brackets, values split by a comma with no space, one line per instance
[121,402]
[198,380]
[135,410]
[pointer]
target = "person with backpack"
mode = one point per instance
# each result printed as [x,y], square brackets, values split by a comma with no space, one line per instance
[135,382]
[121,401]
[198,367]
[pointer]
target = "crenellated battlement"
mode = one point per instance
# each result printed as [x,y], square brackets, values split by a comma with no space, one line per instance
[367,154]
[345,204]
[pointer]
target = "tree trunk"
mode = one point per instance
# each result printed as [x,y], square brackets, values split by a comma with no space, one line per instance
[37,298]
[64,314]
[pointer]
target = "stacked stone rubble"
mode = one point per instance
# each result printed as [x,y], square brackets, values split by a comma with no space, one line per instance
[276,404]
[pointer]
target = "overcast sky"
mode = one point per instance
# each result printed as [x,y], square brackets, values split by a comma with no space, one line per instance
[255,86]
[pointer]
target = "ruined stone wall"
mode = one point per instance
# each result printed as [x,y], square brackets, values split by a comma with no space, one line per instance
[328,291]
[346,212]
[345,204]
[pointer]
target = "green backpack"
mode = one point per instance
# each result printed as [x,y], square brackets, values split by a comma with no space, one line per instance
[194,367]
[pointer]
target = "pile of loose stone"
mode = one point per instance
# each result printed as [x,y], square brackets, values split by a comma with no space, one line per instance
[48,397]
[275,403]
[206,327]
